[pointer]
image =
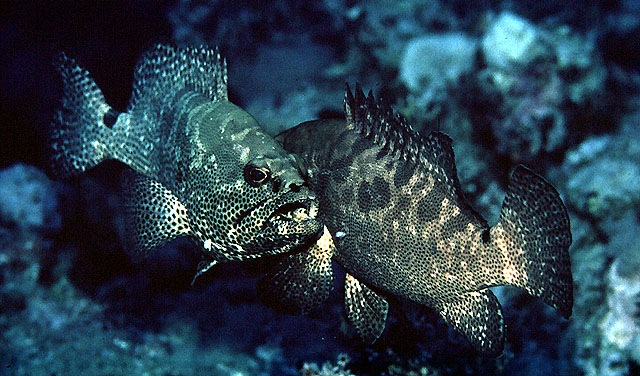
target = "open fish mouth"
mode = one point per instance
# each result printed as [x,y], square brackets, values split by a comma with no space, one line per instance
[292,220]
[287,211]
[292,217]
[294,212]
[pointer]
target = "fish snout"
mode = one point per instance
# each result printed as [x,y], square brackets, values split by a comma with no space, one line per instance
[286,186]
[288,182]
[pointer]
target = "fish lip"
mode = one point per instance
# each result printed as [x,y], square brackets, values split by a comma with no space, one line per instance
[283,214]
[282,229]
[280,212]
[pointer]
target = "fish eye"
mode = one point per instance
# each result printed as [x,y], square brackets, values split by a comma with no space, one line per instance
[256,176]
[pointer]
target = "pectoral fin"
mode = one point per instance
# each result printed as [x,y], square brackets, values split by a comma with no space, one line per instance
[366,309]
[301,281]
[154,214]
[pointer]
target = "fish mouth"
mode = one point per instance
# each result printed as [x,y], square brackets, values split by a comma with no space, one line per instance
[294,212]
[292,217]
[290,208]
[282,223]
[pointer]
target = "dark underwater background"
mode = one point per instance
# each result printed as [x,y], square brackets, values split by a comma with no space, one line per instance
[551,84]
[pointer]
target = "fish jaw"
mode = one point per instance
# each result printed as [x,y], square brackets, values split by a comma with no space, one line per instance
[286,222]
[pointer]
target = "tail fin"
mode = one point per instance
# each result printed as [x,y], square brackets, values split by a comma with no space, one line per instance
[533,237]
[80,137]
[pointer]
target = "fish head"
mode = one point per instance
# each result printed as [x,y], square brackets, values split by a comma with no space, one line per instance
[282,213]
[254,200]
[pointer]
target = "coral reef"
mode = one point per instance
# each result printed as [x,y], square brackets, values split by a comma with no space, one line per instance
[600,186]
[59,299]
[29,200]
[327,369]
[450,56]
[542,81]
[611,159]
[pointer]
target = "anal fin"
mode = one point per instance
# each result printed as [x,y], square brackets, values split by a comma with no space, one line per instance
[301,281]
[477,315]
[154,214]
[366,309]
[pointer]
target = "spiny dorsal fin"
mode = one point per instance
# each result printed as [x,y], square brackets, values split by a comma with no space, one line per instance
[164,68]
[432,153]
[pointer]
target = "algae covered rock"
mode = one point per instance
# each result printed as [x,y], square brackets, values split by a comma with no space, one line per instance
[433,60]
[511,41]
[29,199]
[544,83]
[602,188]
[604,174]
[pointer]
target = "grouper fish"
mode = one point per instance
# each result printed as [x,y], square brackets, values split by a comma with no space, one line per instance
[201,166]
[399,224]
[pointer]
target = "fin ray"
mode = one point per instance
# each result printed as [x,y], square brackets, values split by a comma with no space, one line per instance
[477,315]
[80,139]
[432,153]
[366,309]
[534,235]
[154,214]
[167,69]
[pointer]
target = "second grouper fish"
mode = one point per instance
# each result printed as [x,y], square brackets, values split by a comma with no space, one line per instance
[393,206]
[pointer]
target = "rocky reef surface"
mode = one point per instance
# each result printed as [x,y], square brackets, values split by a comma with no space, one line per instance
[547,84]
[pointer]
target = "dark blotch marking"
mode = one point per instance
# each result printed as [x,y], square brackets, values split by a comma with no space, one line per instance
[428,210]
[382,192]
[390,164]
[382,153]
[373,196]
[340,166]
[339,174]
[364,197]
[347,195]
[402,175]
[342,162]
[454,223]
[360,144]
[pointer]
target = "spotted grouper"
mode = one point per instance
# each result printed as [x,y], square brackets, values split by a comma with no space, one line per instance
[399,223]
[202,167]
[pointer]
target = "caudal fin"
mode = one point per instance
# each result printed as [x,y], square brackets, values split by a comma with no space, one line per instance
[80,138]
[533,237]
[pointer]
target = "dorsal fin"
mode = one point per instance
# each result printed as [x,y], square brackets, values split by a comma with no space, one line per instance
[165,68]
[432,153]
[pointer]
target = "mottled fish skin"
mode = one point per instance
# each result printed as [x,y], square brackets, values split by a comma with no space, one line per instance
[393,204]
[203,166]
